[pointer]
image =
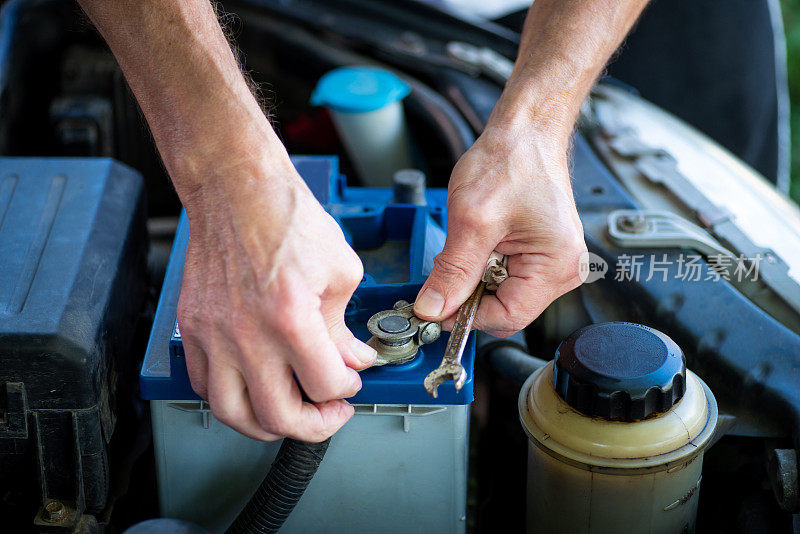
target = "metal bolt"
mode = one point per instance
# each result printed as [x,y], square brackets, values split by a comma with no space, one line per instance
[394,324]
[635,224]
[430,333]
[412,43]
[54,511]
[409,187]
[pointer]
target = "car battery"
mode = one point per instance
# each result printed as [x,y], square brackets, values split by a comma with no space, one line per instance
[400,463]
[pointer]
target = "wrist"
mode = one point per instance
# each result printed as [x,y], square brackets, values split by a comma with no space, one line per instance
[548,115]
[234,163]
[253,182]
[526,153]
[521,140]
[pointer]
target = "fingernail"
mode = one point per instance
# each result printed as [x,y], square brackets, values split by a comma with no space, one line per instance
[430,303]
[363,352]
[348,408]
[356,385]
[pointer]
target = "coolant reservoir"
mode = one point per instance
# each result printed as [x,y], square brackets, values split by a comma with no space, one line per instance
[365,104]
[617,428]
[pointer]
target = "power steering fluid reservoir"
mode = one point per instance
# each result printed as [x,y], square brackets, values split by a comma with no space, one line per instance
[617,428]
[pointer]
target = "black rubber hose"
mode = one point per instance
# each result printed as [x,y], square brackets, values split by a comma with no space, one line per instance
[513,363]
[454,129]
[509,357]
[287,480]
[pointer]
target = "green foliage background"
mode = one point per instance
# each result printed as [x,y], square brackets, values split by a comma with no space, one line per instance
[791,21]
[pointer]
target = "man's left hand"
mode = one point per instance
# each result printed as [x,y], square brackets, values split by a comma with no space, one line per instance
[511,193]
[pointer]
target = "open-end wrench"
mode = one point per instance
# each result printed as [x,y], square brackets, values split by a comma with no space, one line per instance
[451,368]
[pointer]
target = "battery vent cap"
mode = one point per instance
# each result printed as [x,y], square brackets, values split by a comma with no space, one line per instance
[619,371]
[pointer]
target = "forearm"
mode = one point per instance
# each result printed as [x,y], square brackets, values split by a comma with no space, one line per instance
[565,45]
[189,85]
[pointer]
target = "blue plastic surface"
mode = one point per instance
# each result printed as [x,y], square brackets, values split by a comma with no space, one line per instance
[396,242]
[358,89]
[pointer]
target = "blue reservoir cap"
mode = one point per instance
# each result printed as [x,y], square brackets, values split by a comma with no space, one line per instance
[358,89]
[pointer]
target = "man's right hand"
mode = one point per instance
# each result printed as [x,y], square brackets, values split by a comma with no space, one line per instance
[268,275]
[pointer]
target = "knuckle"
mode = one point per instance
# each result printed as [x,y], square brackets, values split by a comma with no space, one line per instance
[224,414]
[515,317]
[200,387]
[570,261]
[503,333]
[316,436]
[517,320]
[452,267]
[519,325]
[475,208]
[187,318]
[275,423]
[577,247]
[291,327]
[357,271]
[353,269]
[279,295]
[471,219]
[324,390]
[223,407]
[569,269]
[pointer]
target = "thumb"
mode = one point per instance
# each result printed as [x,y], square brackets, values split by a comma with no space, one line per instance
[356,355]
[456,271]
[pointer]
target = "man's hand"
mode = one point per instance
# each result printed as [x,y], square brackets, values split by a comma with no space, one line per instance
[268,273]
[510,192]
[267,277]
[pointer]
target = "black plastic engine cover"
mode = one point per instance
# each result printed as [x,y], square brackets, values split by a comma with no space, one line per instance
[73,247]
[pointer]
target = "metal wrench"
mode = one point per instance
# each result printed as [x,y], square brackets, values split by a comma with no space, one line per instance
[451,368]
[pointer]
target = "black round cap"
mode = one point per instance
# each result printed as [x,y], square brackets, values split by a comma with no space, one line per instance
[619,371]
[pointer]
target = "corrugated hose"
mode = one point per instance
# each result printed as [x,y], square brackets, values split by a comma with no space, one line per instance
[285,483]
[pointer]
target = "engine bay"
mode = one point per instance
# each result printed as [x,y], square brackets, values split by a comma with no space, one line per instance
[99,426]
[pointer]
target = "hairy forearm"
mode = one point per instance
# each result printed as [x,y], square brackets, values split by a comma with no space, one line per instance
[565,45]
[189,85]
